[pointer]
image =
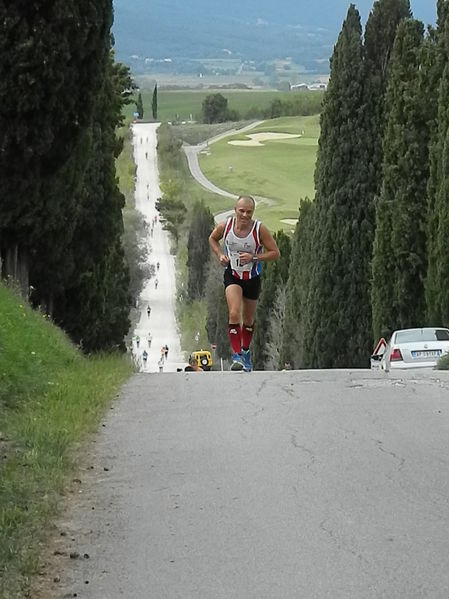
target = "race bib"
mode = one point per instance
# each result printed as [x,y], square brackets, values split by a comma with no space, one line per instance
[234,258]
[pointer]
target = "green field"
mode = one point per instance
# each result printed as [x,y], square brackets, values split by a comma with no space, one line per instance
[282,170]
[181,105]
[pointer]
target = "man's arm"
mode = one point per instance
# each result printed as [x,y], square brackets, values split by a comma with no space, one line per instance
[271,251]
[214,242]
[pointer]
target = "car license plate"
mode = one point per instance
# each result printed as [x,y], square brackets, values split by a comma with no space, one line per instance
[431,353]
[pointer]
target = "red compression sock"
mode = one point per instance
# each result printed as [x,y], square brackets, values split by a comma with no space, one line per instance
[247,335]
[234,334]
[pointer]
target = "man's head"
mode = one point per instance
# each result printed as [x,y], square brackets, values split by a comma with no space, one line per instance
[244,207]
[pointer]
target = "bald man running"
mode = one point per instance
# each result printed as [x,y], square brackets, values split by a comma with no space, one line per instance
[247,243]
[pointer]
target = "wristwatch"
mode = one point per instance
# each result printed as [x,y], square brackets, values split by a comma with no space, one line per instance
[255,258]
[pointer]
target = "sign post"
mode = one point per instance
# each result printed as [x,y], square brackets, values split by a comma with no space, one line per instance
[377,354]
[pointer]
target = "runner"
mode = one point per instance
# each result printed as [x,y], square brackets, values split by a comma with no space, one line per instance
[166,351]
[247,243]
[144,357]
[149,339]
[137,340]
[156,283]
[148,310]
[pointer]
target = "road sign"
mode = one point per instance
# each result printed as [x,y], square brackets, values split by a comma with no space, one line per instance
[379,350]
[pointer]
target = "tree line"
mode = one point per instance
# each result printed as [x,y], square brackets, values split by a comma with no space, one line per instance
[61,226]
[215,108]
[370,253]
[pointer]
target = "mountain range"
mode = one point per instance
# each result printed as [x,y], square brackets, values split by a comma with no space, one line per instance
[177,32]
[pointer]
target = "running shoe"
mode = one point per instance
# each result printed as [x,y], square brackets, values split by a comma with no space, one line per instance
[237,362]
[246,358]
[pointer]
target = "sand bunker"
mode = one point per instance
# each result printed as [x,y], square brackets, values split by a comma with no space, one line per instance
[257,139]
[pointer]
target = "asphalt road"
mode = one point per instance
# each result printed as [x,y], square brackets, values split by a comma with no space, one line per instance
[161,323]
[292,485]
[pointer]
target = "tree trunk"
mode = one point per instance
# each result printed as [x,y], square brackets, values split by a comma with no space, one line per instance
[15,268]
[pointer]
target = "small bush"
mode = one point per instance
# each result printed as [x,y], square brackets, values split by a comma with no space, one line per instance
[443,362]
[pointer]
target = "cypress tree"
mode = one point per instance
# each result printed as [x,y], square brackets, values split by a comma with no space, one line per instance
[139,105]
[217,312]
[297,335]
[380,32]
[338,311]
[53,57]
[94,308]
[439,172]
[399,261]
[154,103]
[274,277]
[198,253]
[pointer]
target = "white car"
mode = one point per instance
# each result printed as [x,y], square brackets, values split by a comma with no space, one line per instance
[414,348]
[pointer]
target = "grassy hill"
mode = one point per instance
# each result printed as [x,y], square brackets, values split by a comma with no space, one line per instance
[281,169]
[51,396]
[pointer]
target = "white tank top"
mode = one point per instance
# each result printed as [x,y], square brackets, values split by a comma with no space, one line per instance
[234,245]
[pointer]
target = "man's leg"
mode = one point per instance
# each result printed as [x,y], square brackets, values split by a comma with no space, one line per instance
[233,295]
[249,309]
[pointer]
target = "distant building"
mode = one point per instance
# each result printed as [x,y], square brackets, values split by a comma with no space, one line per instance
[300,87]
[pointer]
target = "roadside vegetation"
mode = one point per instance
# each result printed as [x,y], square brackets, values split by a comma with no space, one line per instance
[179,189]
[369,250]
[182,106]
[51,397]
[443,362]
[61,225]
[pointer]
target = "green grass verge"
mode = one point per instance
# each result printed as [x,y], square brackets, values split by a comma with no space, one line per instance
[280,169]
[125,167]
[51,396]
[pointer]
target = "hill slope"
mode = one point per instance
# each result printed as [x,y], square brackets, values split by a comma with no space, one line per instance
[50,397]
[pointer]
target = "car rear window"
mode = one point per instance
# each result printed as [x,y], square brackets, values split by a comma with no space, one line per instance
[422,335]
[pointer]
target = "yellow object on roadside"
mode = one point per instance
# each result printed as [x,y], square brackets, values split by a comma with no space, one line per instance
[203,358]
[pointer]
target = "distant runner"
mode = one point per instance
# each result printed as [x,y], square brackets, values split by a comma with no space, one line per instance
[247,243]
